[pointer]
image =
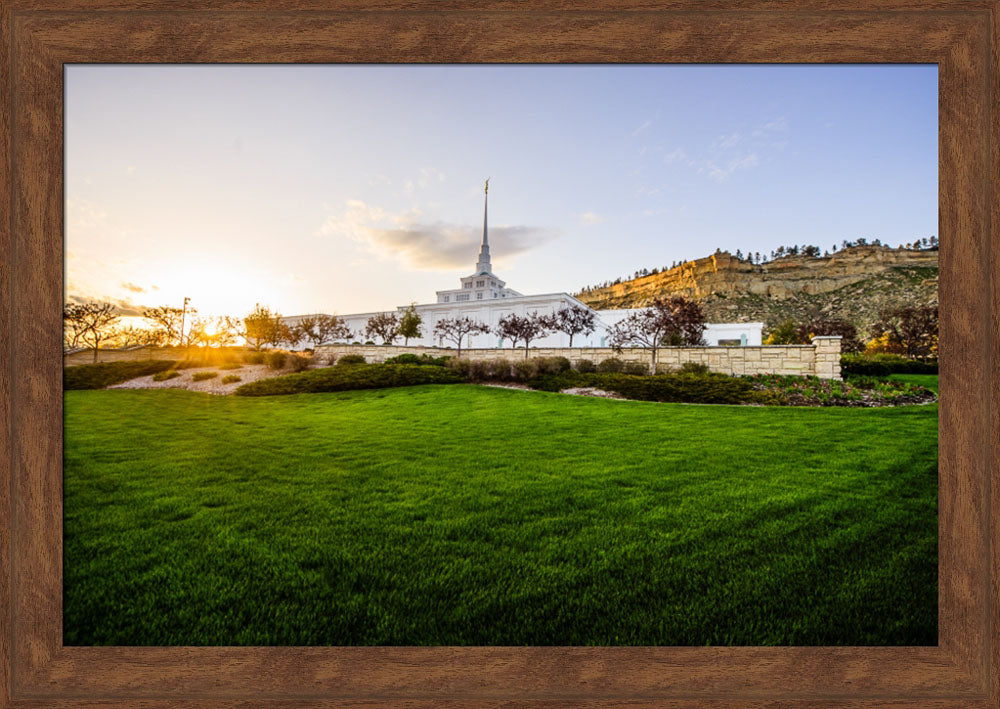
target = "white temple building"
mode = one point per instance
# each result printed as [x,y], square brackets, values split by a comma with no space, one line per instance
[484,297]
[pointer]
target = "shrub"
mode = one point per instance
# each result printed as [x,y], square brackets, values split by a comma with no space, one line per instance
[351,359]
[635,368]
[694,368]
[103,374]
[586,366]
[552,365]
[425,359]
[163,376]
[230,365]
[360,376]
[479,370]
[192,363]
[881,365]
[297,362]
[460,366]
[665,369]
[498,369]
[201,376]
[254,358]
[231,379]
[276,359]
[611,365]
[682,388]
[524,370]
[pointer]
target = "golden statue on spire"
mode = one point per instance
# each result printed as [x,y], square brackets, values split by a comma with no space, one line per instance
[487,189]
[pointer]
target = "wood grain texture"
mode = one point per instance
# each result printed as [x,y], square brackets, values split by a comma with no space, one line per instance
[37,37]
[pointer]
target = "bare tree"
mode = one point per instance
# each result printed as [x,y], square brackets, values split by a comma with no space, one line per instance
[384,325]
[201,333]
[169,321]
[524,328]
[133,336]
[455,329]
[574,321]
[94,322]
[228,330]
[321,329]
[74,324]
[668,321]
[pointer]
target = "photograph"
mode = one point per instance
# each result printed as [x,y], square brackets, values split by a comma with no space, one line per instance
[500,355]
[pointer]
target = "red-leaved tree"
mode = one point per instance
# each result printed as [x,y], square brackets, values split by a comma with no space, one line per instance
[456,329]
[524,328]
[675,321]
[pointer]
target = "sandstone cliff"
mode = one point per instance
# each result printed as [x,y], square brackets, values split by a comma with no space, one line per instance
[853,284]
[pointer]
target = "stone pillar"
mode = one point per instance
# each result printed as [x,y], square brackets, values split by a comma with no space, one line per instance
[827,359]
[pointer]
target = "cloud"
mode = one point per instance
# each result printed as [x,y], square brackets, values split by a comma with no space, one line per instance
[722,173]
[641,128]
[123,306]
[678,155]
[588,218]
[133,287]
[423,245]
[428,176]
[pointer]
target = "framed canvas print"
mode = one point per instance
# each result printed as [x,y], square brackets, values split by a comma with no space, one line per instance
[472,355]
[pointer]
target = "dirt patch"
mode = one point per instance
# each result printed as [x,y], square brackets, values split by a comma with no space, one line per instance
[592,391]
[246,373]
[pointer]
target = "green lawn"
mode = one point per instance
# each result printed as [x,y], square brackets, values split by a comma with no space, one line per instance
[465,515]
[925,380]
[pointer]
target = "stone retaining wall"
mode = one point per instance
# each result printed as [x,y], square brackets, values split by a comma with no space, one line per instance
[136,354]
[821,358]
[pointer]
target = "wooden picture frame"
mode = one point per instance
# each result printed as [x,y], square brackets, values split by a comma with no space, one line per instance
[39,36]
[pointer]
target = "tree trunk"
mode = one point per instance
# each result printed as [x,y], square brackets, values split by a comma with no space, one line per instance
[571,339]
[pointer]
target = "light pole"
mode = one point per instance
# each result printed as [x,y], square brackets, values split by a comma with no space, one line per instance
[183,313]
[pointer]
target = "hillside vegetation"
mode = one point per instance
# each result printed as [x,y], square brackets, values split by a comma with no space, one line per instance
[855,285]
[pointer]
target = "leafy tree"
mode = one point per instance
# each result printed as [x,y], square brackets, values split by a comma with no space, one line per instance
[574,321]
[455,329]
[524,328]
[384,325]
[911,331]
[94,322]
[849,341]
[409,324]
[262,327]
[675,321]
[784,334]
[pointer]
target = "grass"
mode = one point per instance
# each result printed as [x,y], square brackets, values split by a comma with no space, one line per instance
[930,381]
[466,515]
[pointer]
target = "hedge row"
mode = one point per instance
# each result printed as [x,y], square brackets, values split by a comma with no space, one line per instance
[691,388]
[882,365]
[357,376]
[105,374]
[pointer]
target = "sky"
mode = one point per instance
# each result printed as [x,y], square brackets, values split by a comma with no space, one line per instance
[353,188]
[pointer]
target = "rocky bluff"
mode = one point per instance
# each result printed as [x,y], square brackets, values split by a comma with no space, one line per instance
[854,284]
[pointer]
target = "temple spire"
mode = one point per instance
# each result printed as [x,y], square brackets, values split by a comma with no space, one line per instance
[483,265]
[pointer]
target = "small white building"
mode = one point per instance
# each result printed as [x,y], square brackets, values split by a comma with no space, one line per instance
[484,297]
